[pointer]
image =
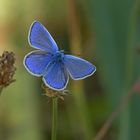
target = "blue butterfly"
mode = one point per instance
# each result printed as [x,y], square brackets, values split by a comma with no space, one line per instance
[50,63]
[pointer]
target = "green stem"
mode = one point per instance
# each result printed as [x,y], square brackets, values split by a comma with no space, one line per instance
[54,118]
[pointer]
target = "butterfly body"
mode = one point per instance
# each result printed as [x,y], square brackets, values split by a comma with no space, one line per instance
[58,56]
[53,65]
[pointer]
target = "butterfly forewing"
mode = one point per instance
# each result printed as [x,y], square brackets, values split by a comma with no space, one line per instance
[40,38]
[78,68]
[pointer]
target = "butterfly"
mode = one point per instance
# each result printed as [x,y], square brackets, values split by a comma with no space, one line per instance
[50,63]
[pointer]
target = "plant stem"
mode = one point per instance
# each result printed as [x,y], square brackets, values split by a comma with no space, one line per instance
[54,118]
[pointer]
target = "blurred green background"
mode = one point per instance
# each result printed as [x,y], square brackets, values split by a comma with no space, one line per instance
[106,33]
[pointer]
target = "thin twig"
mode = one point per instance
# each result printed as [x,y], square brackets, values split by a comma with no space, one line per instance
[113,116]
[135,89]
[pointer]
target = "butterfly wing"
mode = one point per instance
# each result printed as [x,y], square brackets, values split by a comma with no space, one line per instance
[78,68]
[40,38]
[56,76]
[36,62]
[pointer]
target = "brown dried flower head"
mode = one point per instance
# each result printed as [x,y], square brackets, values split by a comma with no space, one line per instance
[54,93]
[7,68]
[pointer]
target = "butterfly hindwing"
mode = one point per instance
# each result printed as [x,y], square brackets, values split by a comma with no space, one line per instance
[40,38]
[78,68]
[56,76]
[36,62]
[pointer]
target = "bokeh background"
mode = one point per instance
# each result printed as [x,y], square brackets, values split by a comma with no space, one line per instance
[106,33]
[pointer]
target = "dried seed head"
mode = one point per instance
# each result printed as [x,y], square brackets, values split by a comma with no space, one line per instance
[54,93]
[7,68]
